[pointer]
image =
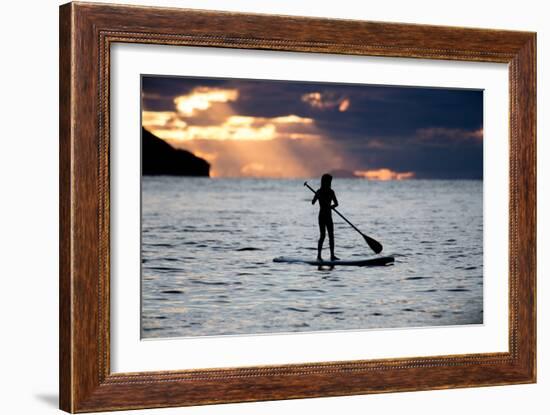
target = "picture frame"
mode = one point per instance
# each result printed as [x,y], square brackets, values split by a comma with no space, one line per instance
[87,31]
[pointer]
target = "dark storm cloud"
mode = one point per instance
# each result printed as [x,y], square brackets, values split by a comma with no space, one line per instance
[433,132]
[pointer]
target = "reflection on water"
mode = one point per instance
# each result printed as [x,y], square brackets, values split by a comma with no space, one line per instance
[208,245]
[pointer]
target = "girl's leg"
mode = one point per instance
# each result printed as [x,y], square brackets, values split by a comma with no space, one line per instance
[321,237]
[330,228]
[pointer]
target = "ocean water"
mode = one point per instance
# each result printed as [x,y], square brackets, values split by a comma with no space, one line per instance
[208,247]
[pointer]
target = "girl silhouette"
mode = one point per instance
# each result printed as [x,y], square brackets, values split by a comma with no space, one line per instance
[326,196]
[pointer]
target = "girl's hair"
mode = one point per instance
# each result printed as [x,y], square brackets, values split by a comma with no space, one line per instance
[326,181]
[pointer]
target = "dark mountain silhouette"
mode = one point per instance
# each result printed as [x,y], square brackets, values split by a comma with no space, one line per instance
[160,158]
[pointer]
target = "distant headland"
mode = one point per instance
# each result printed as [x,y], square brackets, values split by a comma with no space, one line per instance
[160,158]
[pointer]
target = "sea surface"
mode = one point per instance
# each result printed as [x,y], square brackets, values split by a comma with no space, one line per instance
[208,247]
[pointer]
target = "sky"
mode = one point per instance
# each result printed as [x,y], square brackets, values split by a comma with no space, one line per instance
[287,129]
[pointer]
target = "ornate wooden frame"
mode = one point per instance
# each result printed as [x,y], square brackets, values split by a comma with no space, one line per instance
[86,33]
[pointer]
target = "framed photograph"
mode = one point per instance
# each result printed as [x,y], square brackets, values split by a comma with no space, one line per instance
[258,207]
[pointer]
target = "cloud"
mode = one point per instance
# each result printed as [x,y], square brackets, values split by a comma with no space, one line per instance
[307,128]
[326,100]
[208,122]
[292,119]
[162,120]
[455,134]
[344,105]
[384,174]
[202,98]
[168,125]
[234,128]
[303,136]
[152,96]
[378,144]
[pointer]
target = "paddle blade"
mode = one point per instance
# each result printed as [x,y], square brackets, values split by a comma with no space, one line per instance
[374,244]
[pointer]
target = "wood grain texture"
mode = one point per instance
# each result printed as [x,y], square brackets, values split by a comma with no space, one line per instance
[86,33]
[65,246]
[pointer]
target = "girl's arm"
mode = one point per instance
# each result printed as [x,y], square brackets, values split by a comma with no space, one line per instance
[315,197]
[335,205]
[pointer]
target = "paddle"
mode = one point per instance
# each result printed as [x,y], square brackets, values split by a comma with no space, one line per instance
[374,244]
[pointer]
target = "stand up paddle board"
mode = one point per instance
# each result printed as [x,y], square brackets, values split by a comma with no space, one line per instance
[367,262]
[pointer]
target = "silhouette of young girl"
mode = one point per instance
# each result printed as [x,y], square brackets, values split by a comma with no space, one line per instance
[325,195]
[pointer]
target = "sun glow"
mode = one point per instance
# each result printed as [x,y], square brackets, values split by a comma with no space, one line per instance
[383,174]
